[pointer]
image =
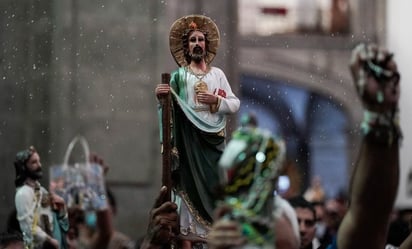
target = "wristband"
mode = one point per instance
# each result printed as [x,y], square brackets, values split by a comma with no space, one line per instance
[381,128]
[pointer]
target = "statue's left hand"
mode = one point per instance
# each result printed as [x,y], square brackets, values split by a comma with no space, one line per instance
[207,98]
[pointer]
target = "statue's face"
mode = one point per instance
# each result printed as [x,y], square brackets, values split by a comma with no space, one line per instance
[197,46]
[33,166]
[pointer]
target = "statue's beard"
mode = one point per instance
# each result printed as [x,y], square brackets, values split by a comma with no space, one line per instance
[197,54]
[35,174]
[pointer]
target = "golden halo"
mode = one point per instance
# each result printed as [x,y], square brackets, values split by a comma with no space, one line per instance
[194,22]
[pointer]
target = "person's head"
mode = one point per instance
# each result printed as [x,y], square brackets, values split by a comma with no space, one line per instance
[320,218]
[306,216]
[334,212]
[27,165]
[286,225]
[194,38]
[11,241]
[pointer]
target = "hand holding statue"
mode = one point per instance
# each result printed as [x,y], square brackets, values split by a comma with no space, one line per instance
[162,90]
[163,223]
[225,233]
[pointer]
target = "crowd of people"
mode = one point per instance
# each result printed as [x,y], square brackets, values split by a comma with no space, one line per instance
[192,217]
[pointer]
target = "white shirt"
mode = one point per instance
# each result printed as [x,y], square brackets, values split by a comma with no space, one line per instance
[27,207]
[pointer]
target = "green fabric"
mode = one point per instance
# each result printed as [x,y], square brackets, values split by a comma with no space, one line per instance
[60,229]
[199,153]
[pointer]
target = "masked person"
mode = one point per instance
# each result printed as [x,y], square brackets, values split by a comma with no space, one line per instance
[202,99]
[42,216]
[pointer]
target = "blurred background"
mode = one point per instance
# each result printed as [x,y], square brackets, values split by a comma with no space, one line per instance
[72,67]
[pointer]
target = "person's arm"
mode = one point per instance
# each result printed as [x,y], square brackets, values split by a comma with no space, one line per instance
[407,243]
[105,229]
[104,222]
[374,181]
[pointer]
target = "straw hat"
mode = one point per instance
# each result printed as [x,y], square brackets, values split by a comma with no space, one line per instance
[193,22]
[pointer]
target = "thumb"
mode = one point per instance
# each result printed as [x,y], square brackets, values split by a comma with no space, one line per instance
[161,197]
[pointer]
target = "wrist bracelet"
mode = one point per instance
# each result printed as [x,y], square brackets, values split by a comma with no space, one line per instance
[381,128]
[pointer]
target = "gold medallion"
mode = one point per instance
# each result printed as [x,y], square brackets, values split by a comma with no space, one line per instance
[199,87]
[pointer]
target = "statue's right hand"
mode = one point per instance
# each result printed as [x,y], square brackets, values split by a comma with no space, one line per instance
[162,90]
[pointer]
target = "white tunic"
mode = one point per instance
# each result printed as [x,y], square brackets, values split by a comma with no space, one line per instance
[27,207]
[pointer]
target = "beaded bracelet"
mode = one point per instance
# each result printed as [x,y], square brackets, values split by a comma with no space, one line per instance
[381,128]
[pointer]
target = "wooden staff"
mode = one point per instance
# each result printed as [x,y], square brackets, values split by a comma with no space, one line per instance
[165,102]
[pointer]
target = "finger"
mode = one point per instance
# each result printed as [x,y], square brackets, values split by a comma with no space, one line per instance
[94,158]
[161,197]
[226,234]
[358,54]
[221,211]
[105,169]
[161,234]
[371,50]
[56,198]
[227,226]
[226,242]
[381,55]
[163,86]
[166,221]
[166,208]
[358,57]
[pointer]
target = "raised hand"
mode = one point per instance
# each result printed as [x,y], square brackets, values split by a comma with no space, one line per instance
[94,158]
[57,202]
[376,77]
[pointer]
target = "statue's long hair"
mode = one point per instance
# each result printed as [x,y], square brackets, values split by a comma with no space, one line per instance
[20,165]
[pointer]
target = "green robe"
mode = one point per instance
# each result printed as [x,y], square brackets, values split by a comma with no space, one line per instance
[196,173]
